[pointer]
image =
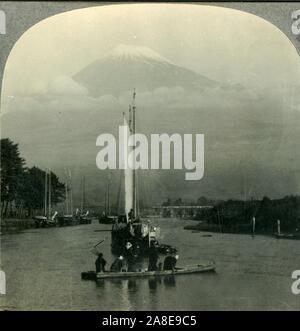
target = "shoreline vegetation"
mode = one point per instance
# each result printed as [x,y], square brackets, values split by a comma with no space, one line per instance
[23,188]
[236,216]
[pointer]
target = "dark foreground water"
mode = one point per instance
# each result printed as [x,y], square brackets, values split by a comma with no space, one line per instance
[43,269]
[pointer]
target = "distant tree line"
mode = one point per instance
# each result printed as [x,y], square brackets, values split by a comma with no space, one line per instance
[23,188]
[236,215]
[202,201]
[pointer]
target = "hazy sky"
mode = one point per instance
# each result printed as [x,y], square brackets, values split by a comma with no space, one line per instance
[258,123]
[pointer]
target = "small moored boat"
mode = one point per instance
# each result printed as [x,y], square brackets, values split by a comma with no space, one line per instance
[280,235]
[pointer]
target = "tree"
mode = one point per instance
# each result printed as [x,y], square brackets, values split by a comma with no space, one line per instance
[57,189]
[178,202]
[34,189]
[11,172]
[24,187]
[202,201]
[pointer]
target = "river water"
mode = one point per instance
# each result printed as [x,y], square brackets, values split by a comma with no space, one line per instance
[43,270]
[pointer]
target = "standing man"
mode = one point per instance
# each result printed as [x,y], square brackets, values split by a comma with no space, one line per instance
[100,263]
[117,264]
[170,262]
[153,257]
[130,257]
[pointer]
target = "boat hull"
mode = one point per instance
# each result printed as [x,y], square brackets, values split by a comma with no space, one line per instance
[200,268]
[288,236]
[107,219]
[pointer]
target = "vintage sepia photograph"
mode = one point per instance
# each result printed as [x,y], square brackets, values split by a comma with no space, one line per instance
[150,157]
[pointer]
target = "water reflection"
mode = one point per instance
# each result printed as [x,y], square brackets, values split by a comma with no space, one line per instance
[170,281]
[132,285]
[152,282]
[100,283]
[117,282]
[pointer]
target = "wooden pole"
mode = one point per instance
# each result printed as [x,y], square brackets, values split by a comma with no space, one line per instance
[253,226]
[278,227]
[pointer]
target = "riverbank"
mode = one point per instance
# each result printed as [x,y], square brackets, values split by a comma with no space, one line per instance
[237,229]
[211,227]
[14,225]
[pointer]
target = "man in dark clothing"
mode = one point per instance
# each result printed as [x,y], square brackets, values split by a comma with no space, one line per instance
[130,257]
[170,262]
[130,215]
[100,263]
[153,257]
[117,264]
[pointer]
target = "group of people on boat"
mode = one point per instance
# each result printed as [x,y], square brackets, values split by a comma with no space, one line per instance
[129,259]
[168,264]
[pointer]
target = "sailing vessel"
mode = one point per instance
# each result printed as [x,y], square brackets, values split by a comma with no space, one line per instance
[67,218]
[83,216]
[47,219]
[129,230]
[106,217]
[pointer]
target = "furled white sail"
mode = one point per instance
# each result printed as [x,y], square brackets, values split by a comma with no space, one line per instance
[128,172]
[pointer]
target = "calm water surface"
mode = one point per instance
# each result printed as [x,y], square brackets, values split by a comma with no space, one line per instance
[43,268]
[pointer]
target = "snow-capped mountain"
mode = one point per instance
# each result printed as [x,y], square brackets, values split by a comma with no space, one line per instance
[131,52]
[126,67]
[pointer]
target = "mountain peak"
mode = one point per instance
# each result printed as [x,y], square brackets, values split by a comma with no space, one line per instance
[127,66]
[124,51]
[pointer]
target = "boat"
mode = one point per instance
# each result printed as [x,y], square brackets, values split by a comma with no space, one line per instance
[191,269]
[43,221]
[106,217]
[46,220]
[83,217]
[129,227]
[291,236]
[65,220]
[68,218]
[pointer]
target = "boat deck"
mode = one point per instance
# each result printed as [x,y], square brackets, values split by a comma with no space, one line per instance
[199,268]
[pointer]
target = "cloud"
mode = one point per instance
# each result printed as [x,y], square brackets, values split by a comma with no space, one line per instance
[64,85]
[64,94]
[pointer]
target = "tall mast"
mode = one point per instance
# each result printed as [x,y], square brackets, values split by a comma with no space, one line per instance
[45,195]
[82,194]
[49,195]
[130,118]
[67,188]
[134,171]
[105,201]
[83,202]
[108,197]
[71,193]
[67,199]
